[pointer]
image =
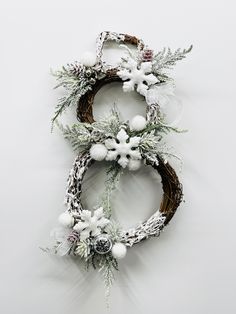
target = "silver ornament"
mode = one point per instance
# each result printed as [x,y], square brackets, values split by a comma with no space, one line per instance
[102,244]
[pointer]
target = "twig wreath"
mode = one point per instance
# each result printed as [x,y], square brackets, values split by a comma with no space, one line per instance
[93,235]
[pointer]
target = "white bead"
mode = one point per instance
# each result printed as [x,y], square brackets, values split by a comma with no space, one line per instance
[66,220]
[138,123]
[134,164]
[88,59]
[119,250]
[98,151]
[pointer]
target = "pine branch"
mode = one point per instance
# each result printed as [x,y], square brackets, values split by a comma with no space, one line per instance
[107,264]
[75,84]
[112,181]
[109,126]
[158,128]
[166,59]
[114,231]
[78,135]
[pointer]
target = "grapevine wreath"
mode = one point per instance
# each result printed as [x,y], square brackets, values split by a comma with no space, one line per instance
[93,235]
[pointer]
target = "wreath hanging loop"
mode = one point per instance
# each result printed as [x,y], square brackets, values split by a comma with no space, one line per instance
[118,38]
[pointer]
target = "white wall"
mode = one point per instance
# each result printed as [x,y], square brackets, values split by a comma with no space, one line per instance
[190,269]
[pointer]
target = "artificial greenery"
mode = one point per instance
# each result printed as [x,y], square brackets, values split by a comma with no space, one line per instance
[83,135]
[166,59]
[77,80]
[113,177]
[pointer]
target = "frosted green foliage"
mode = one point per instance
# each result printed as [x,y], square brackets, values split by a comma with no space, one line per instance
[166,59]
[75,85]
[113,177]
[82,135]
[108,126]
[78,135]
[114,231]
[107,264]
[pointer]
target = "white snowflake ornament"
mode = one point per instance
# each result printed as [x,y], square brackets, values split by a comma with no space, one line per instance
[91,225]
[123,148]
[138,76]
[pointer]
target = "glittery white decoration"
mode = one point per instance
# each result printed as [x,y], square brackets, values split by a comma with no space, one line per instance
[123,148]
[91,225]
[151,227]
[138,76]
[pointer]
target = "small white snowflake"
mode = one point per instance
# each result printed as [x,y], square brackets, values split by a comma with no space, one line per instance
[91,225]
[138,76]
[123,148]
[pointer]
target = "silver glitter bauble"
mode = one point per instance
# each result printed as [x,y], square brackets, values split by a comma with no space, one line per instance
[102,244]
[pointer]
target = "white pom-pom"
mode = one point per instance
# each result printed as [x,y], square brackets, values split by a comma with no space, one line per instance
[98,152]
[119,250]
[138,123]
[66,220]
[134,164]
[88,59]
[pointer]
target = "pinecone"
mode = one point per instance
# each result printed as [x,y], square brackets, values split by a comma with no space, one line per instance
[73,237]
[147,55]
[75,68]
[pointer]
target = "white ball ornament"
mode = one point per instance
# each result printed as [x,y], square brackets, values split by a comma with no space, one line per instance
[66,220]
[134,164]
[89,59]
[138,123]
[119,250]
[98,152]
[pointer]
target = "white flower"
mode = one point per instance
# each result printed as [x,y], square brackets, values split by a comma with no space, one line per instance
[91,225]
[137,75]
[160,94]
[123,148]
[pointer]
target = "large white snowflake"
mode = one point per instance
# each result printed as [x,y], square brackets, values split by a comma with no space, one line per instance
[138,76]
[123,148]
[91,225]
